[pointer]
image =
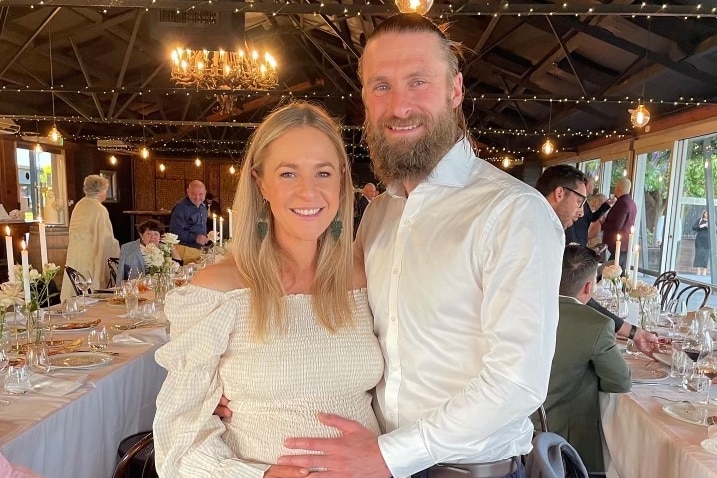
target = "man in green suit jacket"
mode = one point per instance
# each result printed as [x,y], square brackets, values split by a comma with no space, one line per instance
[586,361]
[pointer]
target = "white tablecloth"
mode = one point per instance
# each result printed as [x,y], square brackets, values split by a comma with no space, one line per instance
[76,436]
[645,442]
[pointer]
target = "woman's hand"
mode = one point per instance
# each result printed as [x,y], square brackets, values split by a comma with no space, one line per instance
[285,471]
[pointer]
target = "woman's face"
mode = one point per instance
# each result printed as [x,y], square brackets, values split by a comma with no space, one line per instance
[102,196]
[301,180]
[150,237]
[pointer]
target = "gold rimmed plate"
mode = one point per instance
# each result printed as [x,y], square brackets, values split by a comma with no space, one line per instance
[81,360]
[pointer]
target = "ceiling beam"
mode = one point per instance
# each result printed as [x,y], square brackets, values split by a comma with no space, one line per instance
[29,41]
[125,62]
[566,53]
[146,82]
[87,79]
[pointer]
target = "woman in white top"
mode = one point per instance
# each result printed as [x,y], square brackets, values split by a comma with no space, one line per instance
[283,327]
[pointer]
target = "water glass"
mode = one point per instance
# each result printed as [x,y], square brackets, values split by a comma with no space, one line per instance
[97,339]
[680,361]
[37,359]
[17,380]
[131,301]
[148,311]
[70,307]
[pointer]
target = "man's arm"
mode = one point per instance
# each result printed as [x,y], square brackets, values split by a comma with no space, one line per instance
[178,225]
[605,207]
[619,323]
[611,369]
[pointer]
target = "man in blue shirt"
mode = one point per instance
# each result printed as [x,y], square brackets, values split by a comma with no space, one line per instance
[189,217]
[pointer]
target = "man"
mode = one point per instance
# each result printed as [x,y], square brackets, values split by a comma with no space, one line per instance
[453,252]
[619,220]
[586,361]
[369,192]
[564,188]
[578,232]
[552,184]
[189,217]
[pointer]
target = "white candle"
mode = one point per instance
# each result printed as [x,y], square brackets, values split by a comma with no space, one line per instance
[221,230]
[10,255]
[636,254]
[618,244]
[231,223]
[43,241]
[214,226]
[25,273]
[630,245]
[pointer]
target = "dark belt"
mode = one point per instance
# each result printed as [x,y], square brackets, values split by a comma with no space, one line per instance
[495,469]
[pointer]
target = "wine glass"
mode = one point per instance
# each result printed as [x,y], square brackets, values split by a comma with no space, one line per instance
[676,313]
[4,359]
[708,367]
[84,282]
[134,274]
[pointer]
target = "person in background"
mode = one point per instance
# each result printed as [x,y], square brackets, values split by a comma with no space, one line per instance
[369,192]
[619,220]
[282,327]
[596,201]
[150,232]
[578,233]
[189,217]
[702,245]
[91,238]
[568,177]
[587,361]
[462,262]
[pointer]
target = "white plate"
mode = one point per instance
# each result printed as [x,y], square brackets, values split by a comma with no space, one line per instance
[663,358]
[690,412]
[101,295]
[642,373]
[82,360]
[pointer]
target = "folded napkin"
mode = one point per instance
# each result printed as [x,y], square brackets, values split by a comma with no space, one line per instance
[155,335]
[52,386]
[710,444]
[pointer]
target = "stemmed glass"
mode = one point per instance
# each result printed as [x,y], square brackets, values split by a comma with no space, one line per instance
[84,282]
[708,367]
[676,313]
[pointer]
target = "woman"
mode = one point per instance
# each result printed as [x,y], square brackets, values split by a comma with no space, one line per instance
[150,232]
[282,327]
[702,245]
[91,239]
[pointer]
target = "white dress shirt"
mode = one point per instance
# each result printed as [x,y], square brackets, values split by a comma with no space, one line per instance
[463,281]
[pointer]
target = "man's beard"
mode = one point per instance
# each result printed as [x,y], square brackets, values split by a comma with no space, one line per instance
[398,160]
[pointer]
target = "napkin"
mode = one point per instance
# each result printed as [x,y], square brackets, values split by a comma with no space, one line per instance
[156,335]
[52,386]
[710,444]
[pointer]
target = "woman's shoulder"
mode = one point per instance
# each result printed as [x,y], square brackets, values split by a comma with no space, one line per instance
[223,276]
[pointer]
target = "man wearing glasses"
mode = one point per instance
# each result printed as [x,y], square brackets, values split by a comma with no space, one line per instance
[565,189]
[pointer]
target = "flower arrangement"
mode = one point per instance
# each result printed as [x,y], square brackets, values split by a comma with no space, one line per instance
[643,293]
[10,295]
[39,283]
[612,273]
[158,257]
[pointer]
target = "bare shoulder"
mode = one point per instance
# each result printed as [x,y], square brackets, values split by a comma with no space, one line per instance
[222,276]
[358,276]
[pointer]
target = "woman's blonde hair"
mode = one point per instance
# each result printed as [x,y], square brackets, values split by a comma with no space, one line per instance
[261,261]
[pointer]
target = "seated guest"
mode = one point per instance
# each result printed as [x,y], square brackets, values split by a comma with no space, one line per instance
[150,232]
[586,361]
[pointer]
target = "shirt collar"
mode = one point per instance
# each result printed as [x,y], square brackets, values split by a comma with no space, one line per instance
[567,298]
[452,170]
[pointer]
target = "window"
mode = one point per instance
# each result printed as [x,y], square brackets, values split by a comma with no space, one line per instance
[41,185]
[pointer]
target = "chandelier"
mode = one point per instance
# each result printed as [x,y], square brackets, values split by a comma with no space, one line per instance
[223,70]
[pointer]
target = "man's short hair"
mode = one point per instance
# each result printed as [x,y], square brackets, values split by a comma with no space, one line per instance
[579,266]
[560,176]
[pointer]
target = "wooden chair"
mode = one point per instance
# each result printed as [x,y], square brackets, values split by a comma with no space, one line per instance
[130,457]
[667,288]
[112,264]
[687,293]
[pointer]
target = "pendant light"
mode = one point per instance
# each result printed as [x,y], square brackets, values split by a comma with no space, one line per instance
[640,116]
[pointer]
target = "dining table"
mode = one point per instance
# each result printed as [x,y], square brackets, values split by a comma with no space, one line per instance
[644,441]
[76,435]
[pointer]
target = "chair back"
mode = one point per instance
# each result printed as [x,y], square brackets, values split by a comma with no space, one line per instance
[145,446]
[665,275]
[687,293]
[112,264]
[73,275]
[667,287]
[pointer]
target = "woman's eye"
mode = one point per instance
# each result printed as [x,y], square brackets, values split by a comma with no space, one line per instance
[325,174]
[287,174]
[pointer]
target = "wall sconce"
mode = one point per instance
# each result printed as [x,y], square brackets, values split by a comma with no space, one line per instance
[198,162]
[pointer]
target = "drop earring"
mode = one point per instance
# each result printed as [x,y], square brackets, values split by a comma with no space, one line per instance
[336,228]
[262,226]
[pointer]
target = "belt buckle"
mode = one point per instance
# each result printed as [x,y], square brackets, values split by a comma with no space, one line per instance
[496,469]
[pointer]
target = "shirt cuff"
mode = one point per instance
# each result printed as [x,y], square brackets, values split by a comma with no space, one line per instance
[404,452]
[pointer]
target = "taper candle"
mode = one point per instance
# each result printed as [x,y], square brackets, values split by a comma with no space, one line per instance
[10,255]
[43,241]
[618,244]
[25,273]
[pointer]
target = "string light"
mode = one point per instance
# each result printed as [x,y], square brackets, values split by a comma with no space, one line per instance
[144,152]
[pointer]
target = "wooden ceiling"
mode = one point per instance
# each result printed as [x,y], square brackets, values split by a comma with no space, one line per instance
[109,63]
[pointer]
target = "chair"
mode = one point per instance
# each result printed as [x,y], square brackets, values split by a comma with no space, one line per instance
[667,288]
[687,293]
[138,460]
[112,264]
[665,275]
[74,276]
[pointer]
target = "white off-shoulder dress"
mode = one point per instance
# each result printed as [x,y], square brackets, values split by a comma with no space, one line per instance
[275,387]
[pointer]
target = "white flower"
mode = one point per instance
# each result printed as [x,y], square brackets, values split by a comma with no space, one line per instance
[613,271]
[10,292]
[170,239]
[644,291]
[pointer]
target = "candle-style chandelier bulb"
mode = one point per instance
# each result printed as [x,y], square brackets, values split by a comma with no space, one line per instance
[548,147]
[414,6]
[144,152]
[54,134]
[639,117]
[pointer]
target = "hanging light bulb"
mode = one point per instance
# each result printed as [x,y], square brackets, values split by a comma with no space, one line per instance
[639,117]
[54,134]
[162,167]
[37,148]
[506,162]
[548,147]
[113,159]
[198,161]
[232,169]
[144,152]
[414,6]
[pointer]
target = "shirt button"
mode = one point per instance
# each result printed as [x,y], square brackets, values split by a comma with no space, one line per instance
[395,270]
[393,318]
[392,416]
[394,368]
[407,222]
